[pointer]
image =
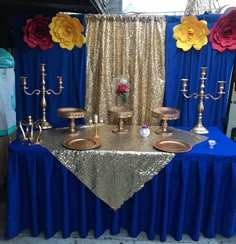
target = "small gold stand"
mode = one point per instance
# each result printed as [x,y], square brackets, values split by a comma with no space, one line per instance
[164,114]
[199,128]
[120,112]
[71,114]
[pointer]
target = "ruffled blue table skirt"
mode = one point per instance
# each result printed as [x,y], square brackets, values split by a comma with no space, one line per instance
[195,193]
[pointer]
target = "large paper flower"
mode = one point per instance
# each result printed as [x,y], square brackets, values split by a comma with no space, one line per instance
[36,32]
[223,33]
[67,31]
[191,33]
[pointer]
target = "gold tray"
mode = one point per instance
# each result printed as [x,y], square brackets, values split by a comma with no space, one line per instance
[172,145]
[81,143]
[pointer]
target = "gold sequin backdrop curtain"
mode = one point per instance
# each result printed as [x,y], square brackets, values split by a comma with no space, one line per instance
[129,46]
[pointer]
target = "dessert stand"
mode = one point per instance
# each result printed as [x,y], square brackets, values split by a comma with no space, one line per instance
[120,112]
[71,114]
[164,114]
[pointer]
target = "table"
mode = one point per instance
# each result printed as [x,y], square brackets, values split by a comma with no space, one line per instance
[195,193]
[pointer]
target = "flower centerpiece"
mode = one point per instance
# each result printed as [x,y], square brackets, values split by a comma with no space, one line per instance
[122,91]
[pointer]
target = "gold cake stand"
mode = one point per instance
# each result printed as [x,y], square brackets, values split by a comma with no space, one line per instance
[164,114]
[120,112]
[71,114]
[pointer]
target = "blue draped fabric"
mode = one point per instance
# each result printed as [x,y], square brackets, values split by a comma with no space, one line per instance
[71,65]
[180,64]
[195,193]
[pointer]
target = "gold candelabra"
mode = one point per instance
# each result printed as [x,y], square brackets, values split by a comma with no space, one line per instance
[199,128]
[44,123]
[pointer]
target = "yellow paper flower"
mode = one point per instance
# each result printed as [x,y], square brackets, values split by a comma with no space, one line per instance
[67,31]
[191,33]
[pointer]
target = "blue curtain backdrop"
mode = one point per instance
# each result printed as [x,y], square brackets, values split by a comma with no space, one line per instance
[71,65]
[180,64]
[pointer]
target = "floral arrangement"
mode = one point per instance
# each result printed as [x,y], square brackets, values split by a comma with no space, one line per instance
[43,31]
[191,33]
[223,32]
[122,90]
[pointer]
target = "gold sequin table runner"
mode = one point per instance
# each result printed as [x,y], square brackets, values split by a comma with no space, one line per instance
[120,166]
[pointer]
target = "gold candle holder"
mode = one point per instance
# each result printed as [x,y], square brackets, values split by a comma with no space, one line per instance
[199,128]
[97,122]
[44,123]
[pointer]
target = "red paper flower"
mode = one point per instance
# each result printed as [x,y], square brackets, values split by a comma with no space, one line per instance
[37,32]
[223,33]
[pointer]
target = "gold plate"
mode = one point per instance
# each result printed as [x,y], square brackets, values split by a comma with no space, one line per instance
[174,146]
[81,143]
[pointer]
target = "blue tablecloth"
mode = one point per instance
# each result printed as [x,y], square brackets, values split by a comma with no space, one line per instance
[195,193]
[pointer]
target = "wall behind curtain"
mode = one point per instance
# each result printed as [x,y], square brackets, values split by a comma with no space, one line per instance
[180,64]
[71,65]
[129,46]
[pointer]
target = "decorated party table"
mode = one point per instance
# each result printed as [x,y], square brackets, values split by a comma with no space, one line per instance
[123,182]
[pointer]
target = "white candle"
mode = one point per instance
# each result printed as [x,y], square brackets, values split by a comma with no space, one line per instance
[95,118]
[90,121]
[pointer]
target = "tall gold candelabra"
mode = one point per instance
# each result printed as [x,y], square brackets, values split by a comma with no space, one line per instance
[199,128]
[44,123]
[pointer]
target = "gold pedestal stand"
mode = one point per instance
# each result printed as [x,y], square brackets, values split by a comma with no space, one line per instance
[71,114]
[164,114]
[120,112]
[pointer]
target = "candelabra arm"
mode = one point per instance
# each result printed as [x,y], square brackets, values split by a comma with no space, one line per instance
[195,95]
[36,92]
[207,96]
[25,88]
[49,91]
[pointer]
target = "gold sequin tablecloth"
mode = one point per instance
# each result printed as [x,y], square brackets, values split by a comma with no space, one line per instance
[120,166]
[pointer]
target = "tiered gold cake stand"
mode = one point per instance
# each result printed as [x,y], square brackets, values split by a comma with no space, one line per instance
[163,114]
[120,112]
[71,114]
